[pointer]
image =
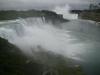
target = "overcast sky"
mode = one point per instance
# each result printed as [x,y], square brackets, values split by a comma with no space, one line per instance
[43,4]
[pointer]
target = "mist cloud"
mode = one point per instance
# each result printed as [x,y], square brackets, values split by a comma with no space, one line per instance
[65,11]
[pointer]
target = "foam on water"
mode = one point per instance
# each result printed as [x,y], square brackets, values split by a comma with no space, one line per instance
[29,33]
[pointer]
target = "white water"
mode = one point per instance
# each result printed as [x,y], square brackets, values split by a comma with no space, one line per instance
[65,11]
[71,40]
[77,39]
[27,34]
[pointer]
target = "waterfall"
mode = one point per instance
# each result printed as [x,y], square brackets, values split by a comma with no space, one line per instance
[70,39]
[29,33]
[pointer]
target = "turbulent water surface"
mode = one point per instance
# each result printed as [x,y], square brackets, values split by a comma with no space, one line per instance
[77,39]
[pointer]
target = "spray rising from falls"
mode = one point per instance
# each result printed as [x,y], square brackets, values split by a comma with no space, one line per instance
[30,33]
[65,11]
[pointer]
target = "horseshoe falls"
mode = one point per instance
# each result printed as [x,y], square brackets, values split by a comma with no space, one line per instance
[77,39]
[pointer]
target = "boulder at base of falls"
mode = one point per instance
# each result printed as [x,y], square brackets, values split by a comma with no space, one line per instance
[14,62]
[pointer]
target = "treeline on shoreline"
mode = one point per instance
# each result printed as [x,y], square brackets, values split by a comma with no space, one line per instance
[92,13]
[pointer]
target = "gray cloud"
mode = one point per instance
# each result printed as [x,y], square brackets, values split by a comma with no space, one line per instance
[39,4]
